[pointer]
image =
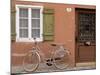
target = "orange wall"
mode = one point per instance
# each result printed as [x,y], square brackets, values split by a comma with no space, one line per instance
[64,30]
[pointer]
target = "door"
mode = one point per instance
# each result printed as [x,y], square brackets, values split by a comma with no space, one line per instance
[85,35]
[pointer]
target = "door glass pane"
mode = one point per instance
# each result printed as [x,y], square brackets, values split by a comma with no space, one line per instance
[35,13]
[87,27]
[24,33]
[36,33]
[23,12]
[35,23]
[23,22]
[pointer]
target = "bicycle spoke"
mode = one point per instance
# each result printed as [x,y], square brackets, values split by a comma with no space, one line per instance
[61,59]
[31,61]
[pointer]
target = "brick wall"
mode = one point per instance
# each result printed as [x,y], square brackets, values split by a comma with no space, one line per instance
[64,31]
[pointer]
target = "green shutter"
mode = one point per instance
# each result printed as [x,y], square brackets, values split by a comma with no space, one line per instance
[13,14]
[48,24]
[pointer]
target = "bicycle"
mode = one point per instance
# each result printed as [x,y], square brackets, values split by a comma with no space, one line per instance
[59,57]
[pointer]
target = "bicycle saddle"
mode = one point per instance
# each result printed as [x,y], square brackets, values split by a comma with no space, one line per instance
[57,44]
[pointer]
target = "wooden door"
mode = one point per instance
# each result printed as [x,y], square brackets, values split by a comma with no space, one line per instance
[85,35]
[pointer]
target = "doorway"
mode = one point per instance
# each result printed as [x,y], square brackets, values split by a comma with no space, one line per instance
[85,35]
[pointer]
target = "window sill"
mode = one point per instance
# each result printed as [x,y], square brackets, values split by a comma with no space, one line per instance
[28,40]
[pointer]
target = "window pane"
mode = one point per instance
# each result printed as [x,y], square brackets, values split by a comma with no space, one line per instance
[35,23]
[23,12]
[24,33]
[23,22]
[36,33]
[35,13]
[87,27]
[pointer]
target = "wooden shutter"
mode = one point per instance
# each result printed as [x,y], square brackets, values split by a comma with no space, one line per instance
[48,24]
[13,14]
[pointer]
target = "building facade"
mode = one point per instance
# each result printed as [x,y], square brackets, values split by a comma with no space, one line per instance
[71,24]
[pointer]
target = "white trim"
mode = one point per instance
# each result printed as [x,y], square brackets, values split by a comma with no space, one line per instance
[29,22]
[17,23]
[41,24]
[29,6]
[29,39]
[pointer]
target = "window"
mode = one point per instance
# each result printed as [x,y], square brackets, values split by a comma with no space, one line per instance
[87,27]
[29,23]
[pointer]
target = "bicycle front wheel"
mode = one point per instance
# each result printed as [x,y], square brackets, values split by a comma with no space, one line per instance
[31,61]
[61,59]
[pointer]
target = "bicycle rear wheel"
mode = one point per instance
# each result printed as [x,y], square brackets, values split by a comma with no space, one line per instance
[61,59]
[31,61]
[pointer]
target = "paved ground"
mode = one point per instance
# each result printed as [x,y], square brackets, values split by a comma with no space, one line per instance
[44,68]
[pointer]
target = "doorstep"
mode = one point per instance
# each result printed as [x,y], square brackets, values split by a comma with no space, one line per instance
[84,64]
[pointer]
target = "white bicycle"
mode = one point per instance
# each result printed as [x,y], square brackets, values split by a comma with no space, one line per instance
[59,57]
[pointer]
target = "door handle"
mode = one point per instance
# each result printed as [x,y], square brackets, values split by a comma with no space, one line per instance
[87,43]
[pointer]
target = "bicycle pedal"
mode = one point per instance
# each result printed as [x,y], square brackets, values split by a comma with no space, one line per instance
[58,58]
[48,60]
[51,59]
[49,64]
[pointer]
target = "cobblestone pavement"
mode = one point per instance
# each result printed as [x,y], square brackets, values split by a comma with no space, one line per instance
[44,68]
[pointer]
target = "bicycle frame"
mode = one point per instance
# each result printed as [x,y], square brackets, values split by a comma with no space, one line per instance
[58,48]
[48,60]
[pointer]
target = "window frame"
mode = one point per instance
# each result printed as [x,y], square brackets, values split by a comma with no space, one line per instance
[29,39]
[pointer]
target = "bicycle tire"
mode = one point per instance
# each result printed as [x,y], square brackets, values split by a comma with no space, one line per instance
[31,61]
[61,59]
